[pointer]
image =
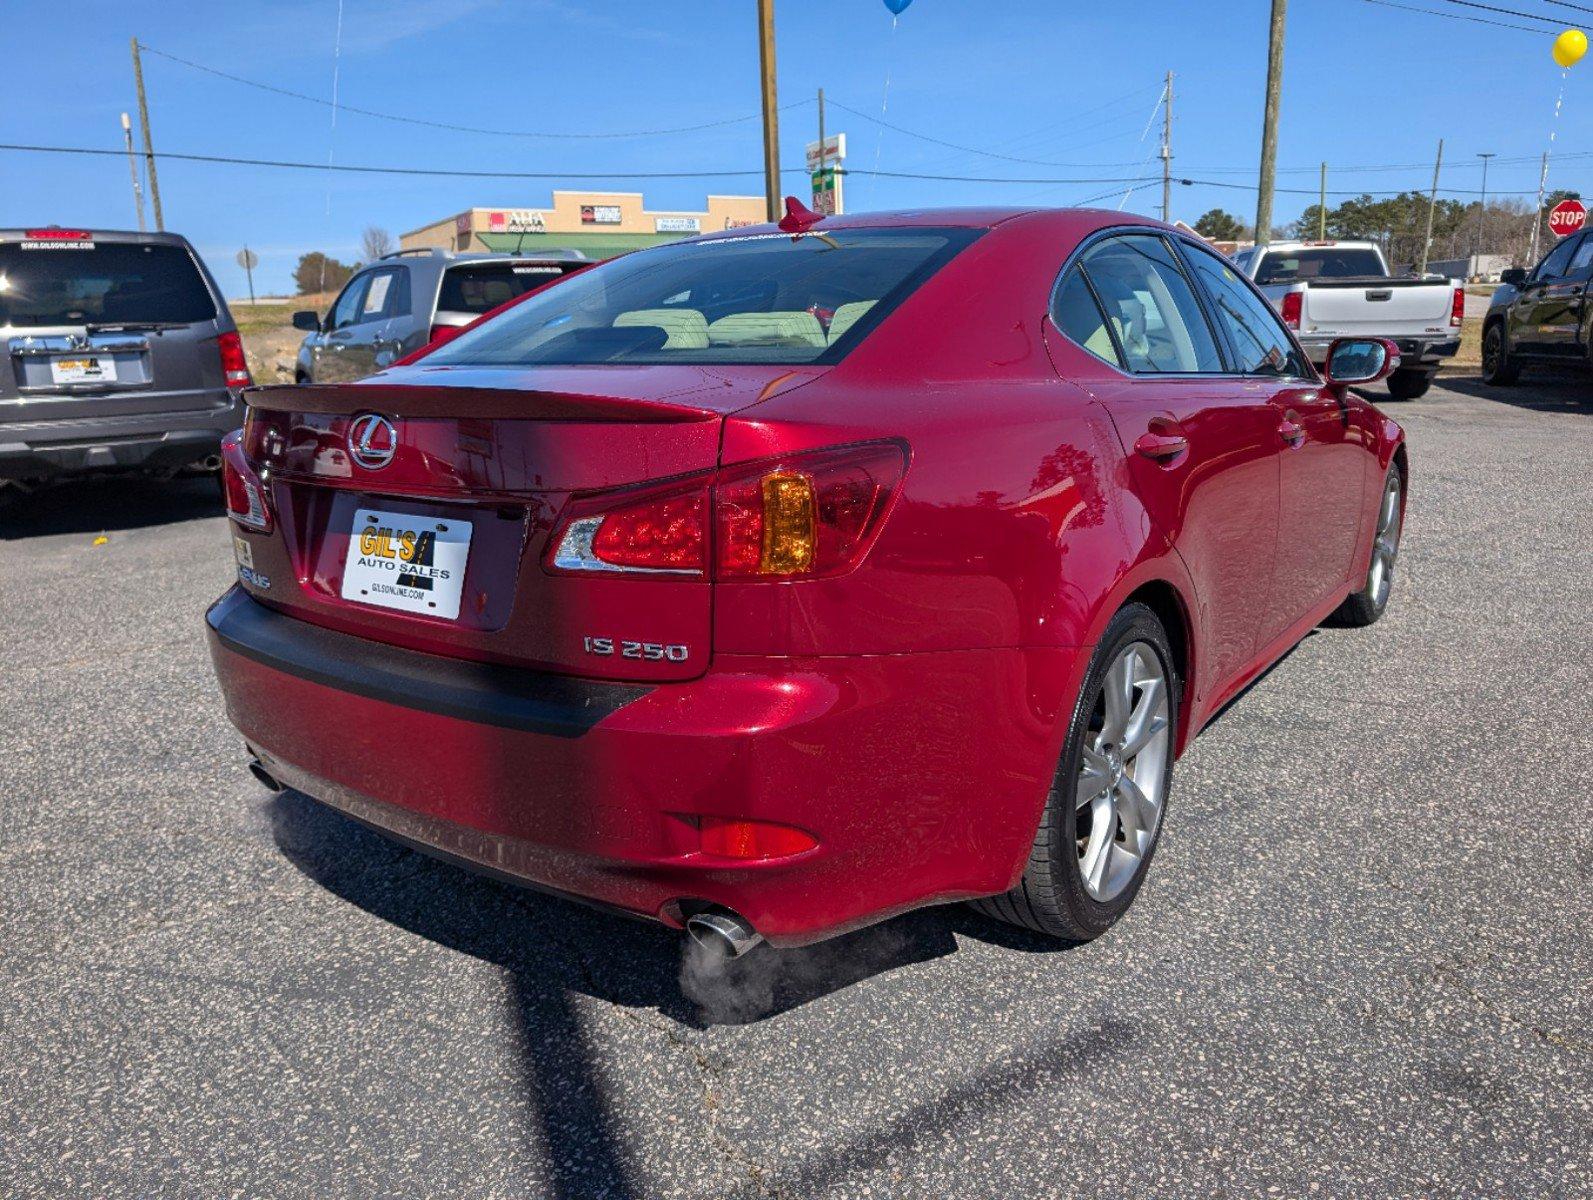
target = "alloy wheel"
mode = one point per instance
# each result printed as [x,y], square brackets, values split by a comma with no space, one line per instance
[1385,546]
[1123,773]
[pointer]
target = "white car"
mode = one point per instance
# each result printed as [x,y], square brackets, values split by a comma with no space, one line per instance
[1330,289]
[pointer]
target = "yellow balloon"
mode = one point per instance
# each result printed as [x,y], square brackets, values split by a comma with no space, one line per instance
[1569,47]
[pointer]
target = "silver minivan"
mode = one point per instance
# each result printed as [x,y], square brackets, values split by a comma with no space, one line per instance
[122,355]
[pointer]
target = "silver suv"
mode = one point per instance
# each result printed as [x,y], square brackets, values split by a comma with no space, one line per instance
[123,355]
[397,304]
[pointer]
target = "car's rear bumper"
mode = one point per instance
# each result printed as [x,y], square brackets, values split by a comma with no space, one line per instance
[1415,352]
[41,449]
[921,775]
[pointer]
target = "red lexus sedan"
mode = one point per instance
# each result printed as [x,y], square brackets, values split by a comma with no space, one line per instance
[772,582]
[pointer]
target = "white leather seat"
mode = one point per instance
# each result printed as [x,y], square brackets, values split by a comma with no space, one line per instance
[846,316]
[767,329]
[687,329]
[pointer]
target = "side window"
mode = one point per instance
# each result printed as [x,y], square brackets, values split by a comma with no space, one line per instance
[1151,307]
[1260,343]
[347,309]
[399,305]
[1076,314]
[1554,266]
[379,295]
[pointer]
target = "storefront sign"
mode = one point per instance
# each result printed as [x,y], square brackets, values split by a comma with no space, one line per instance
[678,224]
[834,151]
[517,220]
[600,214]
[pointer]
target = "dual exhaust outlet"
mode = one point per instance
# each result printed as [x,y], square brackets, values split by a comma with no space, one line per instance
[719,931]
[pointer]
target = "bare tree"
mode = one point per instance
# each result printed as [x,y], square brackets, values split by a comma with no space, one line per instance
[376,242]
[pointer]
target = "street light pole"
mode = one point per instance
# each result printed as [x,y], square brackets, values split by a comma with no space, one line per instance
[771,127]
[1482,213]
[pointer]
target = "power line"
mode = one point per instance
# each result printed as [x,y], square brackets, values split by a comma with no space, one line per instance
[452,128]
[1508,12]
[1449,16]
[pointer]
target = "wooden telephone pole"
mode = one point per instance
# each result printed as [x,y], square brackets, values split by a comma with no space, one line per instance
[771,120]
[149,145]
[1167,150]
[1269,123]
[1432,203]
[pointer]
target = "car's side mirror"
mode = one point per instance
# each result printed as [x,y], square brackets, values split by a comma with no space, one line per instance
[1360,360]
[308,321]
[1514,276]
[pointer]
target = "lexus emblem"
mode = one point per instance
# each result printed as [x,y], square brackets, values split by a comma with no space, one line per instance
[371,441]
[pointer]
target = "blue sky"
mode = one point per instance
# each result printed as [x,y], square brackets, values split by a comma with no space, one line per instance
[1071,84]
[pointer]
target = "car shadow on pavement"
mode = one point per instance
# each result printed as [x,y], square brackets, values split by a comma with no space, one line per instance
[106,505]
[555,951]
[1541,390]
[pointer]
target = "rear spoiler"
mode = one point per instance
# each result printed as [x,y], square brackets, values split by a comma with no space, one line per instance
[433,400]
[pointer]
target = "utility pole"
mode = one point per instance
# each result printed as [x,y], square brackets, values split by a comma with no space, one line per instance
[822,156]
[132,169]
[1432,203]
[771,124]
[149,145]
[1537,213]
[1167,150]
[1482,212]
[1269,123]
[1321,209]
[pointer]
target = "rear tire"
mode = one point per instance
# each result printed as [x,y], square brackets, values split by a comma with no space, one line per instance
[1498,369]
[1103,814]
[1367,605]
[1407,384]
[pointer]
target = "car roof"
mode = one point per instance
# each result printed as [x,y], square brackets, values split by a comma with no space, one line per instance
[1077,221]
[43,232]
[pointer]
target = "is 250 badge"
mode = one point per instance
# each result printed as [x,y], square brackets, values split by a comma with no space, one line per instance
[647,651]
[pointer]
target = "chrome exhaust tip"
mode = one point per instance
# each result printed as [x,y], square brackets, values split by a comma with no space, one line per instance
[211,462]
[723,932]
[267,780]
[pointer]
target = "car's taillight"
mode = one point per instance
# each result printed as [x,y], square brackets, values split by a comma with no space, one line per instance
[246,503]
[1457,308]
[443,333]
[234,366]
[804,516]
[1293,304]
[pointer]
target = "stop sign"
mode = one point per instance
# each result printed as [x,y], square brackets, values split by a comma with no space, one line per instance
[1566,217]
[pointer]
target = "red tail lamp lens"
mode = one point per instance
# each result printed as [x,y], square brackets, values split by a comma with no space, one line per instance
[806,516]
[234,366]
[1457,308]
[726,837]
[1293,304]
[245,499]
[655,531]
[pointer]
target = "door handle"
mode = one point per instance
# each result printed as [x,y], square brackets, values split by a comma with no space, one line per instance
[1161,448]
[1291,431]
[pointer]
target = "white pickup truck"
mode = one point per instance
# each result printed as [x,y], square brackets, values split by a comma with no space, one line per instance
[1327,290]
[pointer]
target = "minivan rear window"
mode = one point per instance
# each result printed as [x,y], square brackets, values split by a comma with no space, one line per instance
[754,298]
[481,289]
[113,283]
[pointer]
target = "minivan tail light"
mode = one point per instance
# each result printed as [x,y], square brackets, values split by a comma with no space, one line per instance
[245,494]
[234,366]
[443,333]
[803,516]
[1457,308]
[1293,304]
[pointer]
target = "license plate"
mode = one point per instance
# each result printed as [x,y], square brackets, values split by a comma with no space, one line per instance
[411,563]
[83,370]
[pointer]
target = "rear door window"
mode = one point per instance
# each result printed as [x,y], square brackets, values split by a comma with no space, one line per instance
[1075,312]
[1151,307]
[481,288]
[112,283]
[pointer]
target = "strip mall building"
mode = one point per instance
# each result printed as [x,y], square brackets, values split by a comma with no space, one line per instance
[598,224]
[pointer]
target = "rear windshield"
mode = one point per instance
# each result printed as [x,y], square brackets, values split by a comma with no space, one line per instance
[480,289]
[761,298]
[1324,263]
[113,283]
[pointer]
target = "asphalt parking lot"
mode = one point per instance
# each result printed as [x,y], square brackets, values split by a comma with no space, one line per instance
[1361,966]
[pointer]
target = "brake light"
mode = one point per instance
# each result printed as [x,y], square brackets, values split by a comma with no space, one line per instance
[234,366]
[804,516]
[1293,304]
[443,333]
[244,492]
[57,235]
[727,837]
[1457,308]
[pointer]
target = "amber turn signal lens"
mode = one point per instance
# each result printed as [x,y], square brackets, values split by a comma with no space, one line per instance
[787,524]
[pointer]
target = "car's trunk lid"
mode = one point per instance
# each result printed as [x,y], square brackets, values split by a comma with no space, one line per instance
[491,456]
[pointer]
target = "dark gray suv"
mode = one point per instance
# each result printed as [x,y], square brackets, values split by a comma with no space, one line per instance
[395,305]
[123,355]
